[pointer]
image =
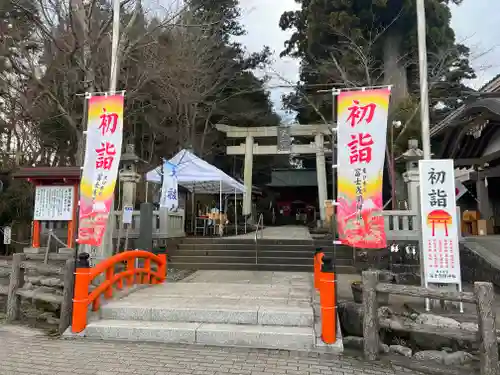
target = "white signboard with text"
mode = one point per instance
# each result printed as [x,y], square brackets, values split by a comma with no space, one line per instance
[54,203]
[7,235]
[170,189]
[128,212]
[440,253]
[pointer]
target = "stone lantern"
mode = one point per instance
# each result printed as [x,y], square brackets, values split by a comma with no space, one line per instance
[128,176]
[411,176]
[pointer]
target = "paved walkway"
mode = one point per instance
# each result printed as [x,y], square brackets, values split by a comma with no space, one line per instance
[27,352]
[290,279]
[285,232]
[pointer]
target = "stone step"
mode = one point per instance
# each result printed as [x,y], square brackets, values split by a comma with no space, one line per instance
[256,267]
[251,253]
[203,292]
[230,240]
[257,336]
[193,311]
[302,249]
[238,259]
[264,259]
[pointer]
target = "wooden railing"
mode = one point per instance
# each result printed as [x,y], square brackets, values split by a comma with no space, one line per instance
[15,291]
[84,275]
[483,297]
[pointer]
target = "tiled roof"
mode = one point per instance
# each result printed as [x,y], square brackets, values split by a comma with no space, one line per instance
[48,172]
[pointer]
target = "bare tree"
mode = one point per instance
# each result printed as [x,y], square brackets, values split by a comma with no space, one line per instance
[66,55]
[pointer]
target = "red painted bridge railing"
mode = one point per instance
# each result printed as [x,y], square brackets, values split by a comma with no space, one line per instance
[84,275]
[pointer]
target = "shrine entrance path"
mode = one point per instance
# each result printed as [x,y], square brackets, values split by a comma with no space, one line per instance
[285,232]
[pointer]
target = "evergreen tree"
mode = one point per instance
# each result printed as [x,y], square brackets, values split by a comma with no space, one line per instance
[370,42]
[245,101]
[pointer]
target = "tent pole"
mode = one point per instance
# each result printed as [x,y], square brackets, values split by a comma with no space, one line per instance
[235,214]
[220,208]
[194,213]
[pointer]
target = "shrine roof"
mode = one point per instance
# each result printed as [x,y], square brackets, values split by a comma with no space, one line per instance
[48,173]
[463,117]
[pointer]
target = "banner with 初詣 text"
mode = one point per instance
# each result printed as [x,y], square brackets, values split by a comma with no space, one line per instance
[100,169]
[438,207]
[362,129]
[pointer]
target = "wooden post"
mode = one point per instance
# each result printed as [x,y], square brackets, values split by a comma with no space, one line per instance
[35,242]
[162,268]
[110,273]
[131,268]
[487,329]
[145,279]
[73,221]
[16,283]
[370,321]
[67,300]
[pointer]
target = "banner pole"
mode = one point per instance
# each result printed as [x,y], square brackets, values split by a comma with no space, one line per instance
[335,94]
[84,247]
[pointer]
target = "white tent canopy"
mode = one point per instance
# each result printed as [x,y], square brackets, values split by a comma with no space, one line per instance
[198,176]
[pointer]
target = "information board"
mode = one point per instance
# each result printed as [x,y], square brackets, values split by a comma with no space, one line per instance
[54,203]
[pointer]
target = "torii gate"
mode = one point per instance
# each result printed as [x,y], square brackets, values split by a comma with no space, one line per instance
[251,148]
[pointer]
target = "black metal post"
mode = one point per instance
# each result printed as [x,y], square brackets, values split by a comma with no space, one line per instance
[334,194]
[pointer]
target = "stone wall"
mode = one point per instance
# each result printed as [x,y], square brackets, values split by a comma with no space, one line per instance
[405,266]
[42,290]
[477,265]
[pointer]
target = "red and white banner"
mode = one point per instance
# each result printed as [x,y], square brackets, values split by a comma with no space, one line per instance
[100,170]
[362,129]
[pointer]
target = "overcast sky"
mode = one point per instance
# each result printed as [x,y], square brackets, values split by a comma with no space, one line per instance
[475,23]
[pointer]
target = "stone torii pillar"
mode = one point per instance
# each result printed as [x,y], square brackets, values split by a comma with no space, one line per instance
[247,175]
[321,174]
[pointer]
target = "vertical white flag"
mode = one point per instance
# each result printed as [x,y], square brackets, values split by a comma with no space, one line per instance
[169,190]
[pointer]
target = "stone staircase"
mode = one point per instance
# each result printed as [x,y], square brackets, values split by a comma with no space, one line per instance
[222,308]
[244,254]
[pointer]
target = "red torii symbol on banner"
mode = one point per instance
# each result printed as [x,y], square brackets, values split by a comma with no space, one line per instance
[359,113]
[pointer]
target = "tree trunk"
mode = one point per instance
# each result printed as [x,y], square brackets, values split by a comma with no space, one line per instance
[394,68]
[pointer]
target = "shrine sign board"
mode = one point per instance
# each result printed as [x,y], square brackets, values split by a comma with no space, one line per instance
[441,255]
[284,141]
[54,203]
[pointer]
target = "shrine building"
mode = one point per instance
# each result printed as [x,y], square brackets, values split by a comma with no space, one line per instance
[471,137]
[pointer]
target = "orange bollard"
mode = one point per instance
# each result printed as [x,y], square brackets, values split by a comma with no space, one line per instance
[81,293]
[327,302]
[318,259]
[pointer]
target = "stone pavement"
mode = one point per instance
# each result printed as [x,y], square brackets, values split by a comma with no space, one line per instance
[222,308]
[284,232]
[24,351]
